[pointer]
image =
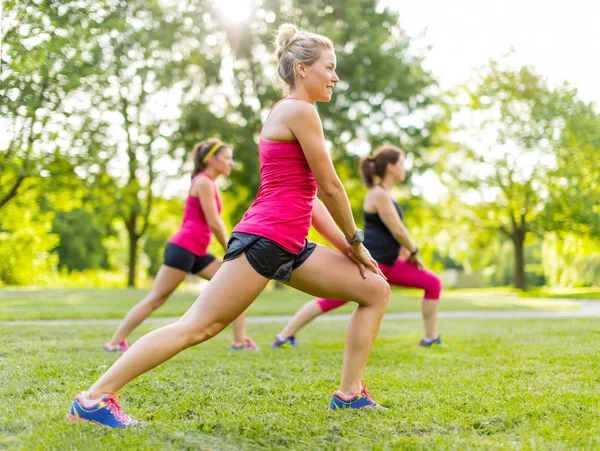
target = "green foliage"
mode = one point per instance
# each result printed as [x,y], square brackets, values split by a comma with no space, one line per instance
[47,50]
[501,164]
[166,219]
[26,241]
[383,88]
[575,193]
[81,233]
[570,260]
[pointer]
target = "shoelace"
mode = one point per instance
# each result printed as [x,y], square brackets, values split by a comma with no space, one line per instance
[116,409]
[367,394]
[250,343]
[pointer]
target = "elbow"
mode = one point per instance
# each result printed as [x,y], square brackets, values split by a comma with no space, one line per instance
[331,188]
[214,226]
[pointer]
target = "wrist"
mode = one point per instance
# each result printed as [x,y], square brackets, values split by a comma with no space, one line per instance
[415,252]
[356,239]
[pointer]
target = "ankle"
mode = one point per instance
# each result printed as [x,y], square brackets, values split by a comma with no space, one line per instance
[351,390]
[93,397]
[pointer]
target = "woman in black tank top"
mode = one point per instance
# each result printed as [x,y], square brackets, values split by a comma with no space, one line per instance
[387,239]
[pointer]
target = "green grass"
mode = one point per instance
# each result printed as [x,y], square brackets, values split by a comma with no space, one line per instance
[519,384]
[571,293]
[29,304]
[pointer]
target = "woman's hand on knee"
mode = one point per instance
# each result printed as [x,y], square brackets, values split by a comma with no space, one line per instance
[361,256]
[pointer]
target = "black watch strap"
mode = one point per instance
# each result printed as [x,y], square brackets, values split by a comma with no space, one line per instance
[415,252]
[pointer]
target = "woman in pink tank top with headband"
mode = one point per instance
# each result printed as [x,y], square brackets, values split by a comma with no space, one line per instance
[186,251]
[270,243]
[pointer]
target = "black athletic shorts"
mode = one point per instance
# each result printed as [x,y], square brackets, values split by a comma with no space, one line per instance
[268,258]
[180,258]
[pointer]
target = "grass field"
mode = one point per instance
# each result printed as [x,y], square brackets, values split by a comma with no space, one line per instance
[518,384]
[571,293]
[27,304]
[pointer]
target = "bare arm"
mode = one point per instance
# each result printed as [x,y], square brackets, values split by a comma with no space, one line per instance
[388,214]
[204,190]
[390,217]
[308,130]
[306,127]
[323,223]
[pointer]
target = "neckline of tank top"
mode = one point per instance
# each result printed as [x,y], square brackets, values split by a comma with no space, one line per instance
[206,174]
[279,140]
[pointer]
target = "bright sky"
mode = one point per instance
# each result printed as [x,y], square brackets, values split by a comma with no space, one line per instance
[561,39]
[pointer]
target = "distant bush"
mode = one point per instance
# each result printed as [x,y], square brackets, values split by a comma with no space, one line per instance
[25,243]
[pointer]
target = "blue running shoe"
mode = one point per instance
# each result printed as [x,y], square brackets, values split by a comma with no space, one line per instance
[340,401]
[429,342]
[281,342]
[106,412]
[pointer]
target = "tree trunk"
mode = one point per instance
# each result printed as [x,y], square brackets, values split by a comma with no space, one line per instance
[133,244]
[519,255]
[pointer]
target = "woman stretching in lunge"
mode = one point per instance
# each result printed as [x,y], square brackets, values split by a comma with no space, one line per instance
[270,243]
[186,250]
[385,236]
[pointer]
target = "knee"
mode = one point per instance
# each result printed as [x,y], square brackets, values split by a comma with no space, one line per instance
[435,288]
[386,292]
[155,301]
[195,334]
[379,293]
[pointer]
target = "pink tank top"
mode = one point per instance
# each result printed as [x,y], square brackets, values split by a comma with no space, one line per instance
[282,211]
[194,234]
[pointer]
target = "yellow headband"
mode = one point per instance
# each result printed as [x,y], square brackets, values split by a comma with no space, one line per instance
[211,151]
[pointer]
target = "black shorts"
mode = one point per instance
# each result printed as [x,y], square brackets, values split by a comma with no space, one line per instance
[268,258]
[180,258]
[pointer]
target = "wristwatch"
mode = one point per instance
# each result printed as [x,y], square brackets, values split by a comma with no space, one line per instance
[415,252]
[358,238]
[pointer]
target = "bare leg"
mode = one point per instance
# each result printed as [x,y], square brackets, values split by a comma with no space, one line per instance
[406,274]
[239,328]
[217,306]
[165,283]
[430,309]
[305,315]
[332,275]
[239,324]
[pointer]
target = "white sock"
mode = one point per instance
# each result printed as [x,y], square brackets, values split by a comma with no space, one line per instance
[89,400]
[347,395]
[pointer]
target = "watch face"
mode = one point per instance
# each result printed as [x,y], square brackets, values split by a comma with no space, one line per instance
[360,236]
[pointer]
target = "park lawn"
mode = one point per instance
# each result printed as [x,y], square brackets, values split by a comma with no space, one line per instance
[499,384]
[30,304]
[590,293]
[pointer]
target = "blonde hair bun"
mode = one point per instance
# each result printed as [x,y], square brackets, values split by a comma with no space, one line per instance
[285,36]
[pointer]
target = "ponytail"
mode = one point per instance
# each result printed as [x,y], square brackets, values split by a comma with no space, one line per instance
[367,167]
[375,165]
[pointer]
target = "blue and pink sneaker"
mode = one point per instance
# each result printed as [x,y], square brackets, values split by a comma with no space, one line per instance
[281,342]
[429,342]
[120,347]
[106,412]
[247,344]
[340,401]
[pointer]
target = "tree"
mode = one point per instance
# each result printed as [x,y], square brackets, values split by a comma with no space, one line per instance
[47,49]
[383,95]
[574,132]
[501,155]
[80,235]
[147,46]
